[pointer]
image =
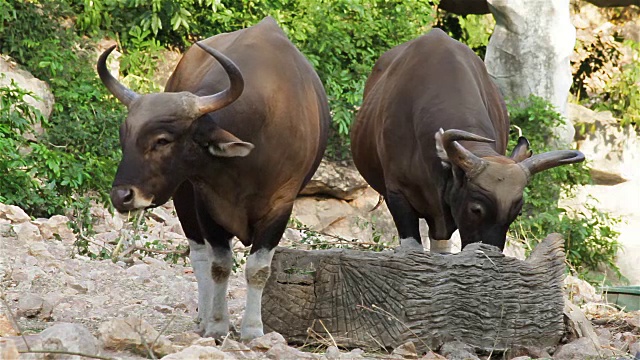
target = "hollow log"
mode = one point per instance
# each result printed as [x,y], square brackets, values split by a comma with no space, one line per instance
[384,299]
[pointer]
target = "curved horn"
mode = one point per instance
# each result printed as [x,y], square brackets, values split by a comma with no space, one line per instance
[207,104]
[551,159]
[121,92]
[460,156]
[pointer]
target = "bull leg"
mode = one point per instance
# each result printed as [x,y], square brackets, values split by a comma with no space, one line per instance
[201,258]
[258,270]
[406,220]
[217,322]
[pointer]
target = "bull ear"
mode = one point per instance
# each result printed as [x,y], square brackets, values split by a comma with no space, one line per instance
[442,153]
[225,144]
[522,150]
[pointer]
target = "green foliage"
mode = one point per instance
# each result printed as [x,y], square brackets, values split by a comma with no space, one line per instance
[473,30]
[622,93]
[78,153]
[341,38]
[590,238]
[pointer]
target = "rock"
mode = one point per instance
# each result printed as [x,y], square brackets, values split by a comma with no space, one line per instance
[582,348]
[195,352]
[579,291]
[332,353]
[69,337]
[135,334]
[577,324]
[238,349]
[456,350]
[40,251]
[30,305]
[56,227]
[282,351]
[613,150]
[338,181]
[406,350]
[13,213]
[432,356]
[529,54]
[8,349]
[527,352]
[27,231]
[521,358]
[6,327]
[634,320]
[267,341]
[24,80]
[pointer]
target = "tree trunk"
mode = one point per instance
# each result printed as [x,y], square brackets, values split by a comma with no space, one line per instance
[384,299]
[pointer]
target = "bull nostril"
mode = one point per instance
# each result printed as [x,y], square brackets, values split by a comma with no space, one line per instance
[126,195]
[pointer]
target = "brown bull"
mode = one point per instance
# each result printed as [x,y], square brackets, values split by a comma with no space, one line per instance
[454,179]
[233,139]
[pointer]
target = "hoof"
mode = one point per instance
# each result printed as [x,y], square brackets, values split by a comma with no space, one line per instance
[248,334]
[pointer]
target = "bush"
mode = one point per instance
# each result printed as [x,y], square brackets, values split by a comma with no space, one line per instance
[590,239]
[342,38]
[622,93]
[79,150]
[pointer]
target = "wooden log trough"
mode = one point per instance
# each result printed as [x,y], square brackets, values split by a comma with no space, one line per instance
[384,299]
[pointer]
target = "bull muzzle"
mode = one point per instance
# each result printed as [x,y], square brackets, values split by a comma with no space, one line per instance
[127,198]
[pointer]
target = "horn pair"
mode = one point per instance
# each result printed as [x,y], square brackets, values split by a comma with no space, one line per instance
[470,163]
[204,104]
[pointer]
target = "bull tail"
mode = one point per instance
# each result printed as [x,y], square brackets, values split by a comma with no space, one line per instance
[380,200]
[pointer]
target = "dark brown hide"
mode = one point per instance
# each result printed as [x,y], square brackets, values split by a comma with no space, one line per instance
[414,90]
[246,161]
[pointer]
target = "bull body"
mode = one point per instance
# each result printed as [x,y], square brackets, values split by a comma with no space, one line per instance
[234,162]
[454,179]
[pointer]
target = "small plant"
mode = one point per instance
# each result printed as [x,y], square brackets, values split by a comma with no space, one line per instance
[590,237]
[622,93]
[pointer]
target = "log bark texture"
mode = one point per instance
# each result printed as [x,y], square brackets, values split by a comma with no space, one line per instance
[384,299]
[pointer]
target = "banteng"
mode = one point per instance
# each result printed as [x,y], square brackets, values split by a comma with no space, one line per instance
[458,178]
[239,130]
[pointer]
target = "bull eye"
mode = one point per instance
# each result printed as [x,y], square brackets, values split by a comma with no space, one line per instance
[476,209]
[160,142]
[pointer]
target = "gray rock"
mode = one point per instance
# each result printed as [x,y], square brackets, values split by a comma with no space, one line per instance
[69,337]
[582,348]
[199,352]
[406,350]
[529,54]
[238,349]
[8,350]
[613,151]
[332,353]
[13,213]
[267,341]
[27,231]
[456,350]
[56,227]
[578,326]
[30,305]
[282,351]
[338,181]
[134,334]
[432,356]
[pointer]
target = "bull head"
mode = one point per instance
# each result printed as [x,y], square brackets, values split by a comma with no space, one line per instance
[486,193]
[167,135]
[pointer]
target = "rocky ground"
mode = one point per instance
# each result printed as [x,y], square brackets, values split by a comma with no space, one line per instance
[139,305]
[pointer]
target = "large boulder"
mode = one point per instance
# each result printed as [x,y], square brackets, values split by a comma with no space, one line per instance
[335,180]
[11,71]
[529,53]
[613,151]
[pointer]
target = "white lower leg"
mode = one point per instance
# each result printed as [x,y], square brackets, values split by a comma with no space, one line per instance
[411,243]
[440,246]
[257,272]
[201,257]
[212,268]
